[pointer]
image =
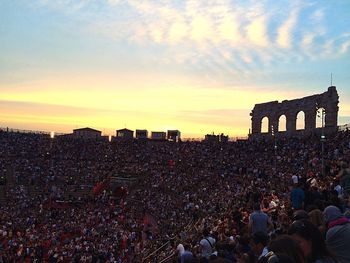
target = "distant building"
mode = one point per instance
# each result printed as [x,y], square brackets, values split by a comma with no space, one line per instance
[87,133]
[216,138]
[125,134]
[141,134]
[159,136]
[211,138]
[174,135]
[223,138]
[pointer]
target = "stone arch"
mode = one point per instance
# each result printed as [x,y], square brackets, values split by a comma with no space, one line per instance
[320,117]
[265,124]
[291,108]
[300,120]
[282,123]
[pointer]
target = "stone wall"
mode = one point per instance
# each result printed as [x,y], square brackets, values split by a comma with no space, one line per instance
[290,108]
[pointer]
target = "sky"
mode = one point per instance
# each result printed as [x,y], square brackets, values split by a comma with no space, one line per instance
[193,65]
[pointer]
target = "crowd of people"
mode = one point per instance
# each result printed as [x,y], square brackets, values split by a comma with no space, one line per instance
[244,201]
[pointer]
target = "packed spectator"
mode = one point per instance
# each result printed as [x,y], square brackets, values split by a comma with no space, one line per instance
[221,201]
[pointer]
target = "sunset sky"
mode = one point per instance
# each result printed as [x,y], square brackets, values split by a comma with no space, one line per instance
[193,65]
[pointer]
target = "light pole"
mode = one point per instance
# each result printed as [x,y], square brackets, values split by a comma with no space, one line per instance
[275,147]
[323,137]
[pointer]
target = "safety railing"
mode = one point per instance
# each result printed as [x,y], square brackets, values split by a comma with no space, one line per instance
[170,257]
[155,251]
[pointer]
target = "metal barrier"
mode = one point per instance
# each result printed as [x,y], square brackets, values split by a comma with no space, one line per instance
[167,258]
[155,251]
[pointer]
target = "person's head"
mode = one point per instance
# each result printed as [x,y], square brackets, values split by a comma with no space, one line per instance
[247,257]
[309,239]
[316,217]
[278,258]
[300,214]
[344,165]
[206,232]
[288,246]
[187,246]
[258,242]
[265,202]
[256,206]
[332,213]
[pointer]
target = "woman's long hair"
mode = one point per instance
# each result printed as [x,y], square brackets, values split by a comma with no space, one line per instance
[305,229]
[288,246]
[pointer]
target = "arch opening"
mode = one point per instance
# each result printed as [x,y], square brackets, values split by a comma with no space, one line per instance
[320,117]
[282,123]
[300,123]
[265,125]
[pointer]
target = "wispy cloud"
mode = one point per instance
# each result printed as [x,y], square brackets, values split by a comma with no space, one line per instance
[68,6]
[318,15]
[285,32]
[257,32]
[233,36]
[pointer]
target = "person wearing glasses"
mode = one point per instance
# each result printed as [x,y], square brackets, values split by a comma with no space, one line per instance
[311,242]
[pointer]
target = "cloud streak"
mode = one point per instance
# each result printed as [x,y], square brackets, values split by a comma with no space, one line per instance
[249,37]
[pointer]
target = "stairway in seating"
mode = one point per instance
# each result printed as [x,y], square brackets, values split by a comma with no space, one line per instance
[2,195]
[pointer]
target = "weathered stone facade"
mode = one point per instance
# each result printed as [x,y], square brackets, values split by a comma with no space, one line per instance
[290,108]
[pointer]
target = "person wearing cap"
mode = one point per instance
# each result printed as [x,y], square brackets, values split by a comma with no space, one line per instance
[338,233]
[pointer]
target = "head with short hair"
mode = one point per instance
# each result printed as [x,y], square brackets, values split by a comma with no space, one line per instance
[205,232]
[186,246]
[256,206]
[260,238]
[300,214]
[258,242]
